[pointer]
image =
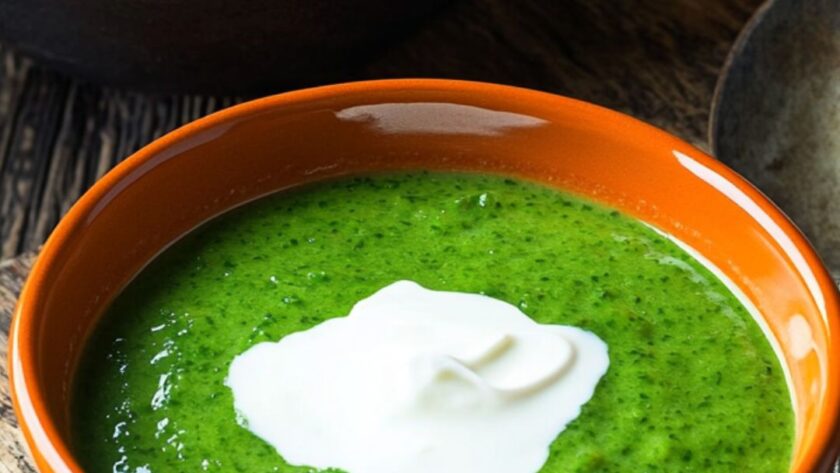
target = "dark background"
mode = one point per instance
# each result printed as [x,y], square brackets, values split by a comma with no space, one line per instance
[655,59]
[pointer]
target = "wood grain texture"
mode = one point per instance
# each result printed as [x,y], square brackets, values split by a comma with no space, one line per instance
[13,452]
[656,60]
[58,136]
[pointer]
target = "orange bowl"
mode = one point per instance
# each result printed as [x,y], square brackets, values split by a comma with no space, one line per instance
[242,153]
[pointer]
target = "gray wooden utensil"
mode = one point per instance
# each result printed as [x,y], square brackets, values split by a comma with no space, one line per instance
[776,114]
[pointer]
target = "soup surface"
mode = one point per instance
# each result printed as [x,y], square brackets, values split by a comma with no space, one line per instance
[693,385]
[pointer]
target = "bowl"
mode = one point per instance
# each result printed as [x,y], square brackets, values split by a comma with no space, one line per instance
[279,142]
[776,113]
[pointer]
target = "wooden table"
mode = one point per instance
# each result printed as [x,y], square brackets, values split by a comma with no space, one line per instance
[656,60]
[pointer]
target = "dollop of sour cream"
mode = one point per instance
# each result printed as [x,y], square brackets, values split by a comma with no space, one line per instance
[419,381]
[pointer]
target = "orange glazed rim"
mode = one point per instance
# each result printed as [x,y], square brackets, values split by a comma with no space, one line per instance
[50,449]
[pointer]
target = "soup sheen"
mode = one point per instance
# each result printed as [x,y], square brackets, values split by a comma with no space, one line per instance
[693,385]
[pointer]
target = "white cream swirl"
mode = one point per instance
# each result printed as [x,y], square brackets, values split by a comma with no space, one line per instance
[419,381]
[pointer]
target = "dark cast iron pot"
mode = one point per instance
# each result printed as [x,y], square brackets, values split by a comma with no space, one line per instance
[219,46]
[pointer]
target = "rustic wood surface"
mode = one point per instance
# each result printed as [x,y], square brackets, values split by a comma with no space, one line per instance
[657,60]
[13,453]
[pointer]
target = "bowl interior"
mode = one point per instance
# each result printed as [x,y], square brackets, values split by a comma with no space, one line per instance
[246,152]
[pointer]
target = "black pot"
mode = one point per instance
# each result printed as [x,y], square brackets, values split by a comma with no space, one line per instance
[220,46]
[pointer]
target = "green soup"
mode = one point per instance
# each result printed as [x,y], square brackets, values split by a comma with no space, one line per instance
[693,385]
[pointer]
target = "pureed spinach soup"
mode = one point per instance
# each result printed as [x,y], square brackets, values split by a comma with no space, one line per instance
[692,383]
